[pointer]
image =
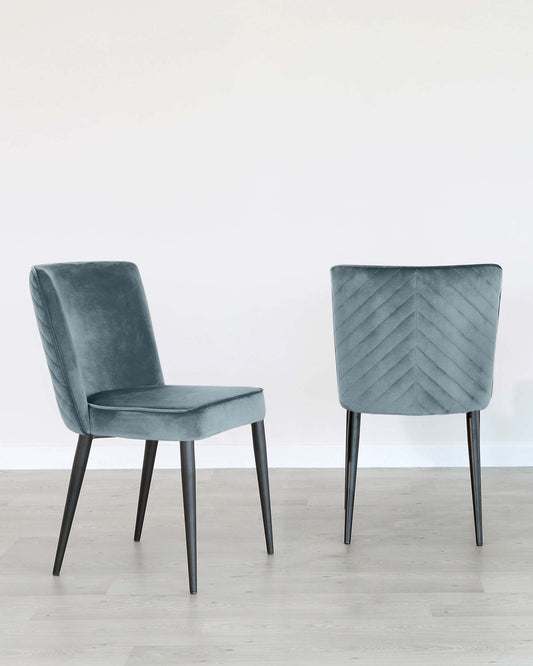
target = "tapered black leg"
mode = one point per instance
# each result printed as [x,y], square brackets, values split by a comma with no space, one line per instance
[353,427]
[188,482]
[474,453]
[150,449]
[261,465]
[76,479]
[347,457]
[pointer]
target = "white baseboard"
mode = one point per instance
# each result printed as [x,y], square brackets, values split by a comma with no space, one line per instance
[114,454]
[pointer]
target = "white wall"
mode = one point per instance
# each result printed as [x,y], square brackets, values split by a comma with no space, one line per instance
[235,151]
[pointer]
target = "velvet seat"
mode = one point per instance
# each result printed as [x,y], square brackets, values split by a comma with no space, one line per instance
[174,412]
[415,341]
[101,352]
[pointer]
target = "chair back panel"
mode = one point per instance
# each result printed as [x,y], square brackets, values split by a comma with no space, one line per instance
[96,331]
[415,340]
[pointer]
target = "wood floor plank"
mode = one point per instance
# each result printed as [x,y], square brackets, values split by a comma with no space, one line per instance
[87,655]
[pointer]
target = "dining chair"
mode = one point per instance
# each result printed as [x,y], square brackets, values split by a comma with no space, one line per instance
[99,344]
[416,341]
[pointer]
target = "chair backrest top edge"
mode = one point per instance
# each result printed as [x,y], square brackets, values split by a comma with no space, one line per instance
[81,263]
[417,267]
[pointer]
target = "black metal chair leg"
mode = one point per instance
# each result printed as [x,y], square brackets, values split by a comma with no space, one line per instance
[188,482]
[76,479]
[261,465]
[347,457]
[150,449]
[474,454]
[353,427]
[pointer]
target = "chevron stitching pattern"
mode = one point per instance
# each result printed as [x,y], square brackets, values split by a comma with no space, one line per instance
[62,391]
[415,340]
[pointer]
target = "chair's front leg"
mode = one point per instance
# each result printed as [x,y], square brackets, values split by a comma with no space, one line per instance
[150,449]
[76,479]
[474,454]
[261,465]
[188,483]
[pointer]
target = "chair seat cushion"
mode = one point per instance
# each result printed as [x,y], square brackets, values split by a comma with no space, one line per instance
[175,413]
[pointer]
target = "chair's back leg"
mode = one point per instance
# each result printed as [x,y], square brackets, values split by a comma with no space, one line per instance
[150,449]
[349,416]
[188,482]
[474,454]
[76,479]
[353,427]
[261,466]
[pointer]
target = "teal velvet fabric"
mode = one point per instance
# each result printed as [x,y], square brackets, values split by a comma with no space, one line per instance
[96,330]
[415,340]
[174,412]
[97,334]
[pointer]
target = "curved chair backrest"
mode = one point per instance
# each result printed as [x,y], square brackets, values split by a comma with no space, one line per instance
[96,331]
[415,340]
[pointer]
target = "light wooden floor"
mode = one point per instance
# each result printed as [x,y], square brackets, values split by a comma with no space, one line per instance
[411,589]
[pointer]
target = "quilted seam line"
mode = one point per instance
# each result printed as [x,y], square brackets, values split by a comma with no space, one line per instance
[440,408]
[496,289]
[391,352]
[462,410]
[372,314]
[372,368]
[60,388]
[476,289]
[471,303]
[54,337]
[451,323]
[449,340]
[377,332]
[338,291]
[349,353]
[447,374]
[391,387]
[415,341]
[49,347]
[454,362]
[469,306]
[496,337]
[383,375]
[368,298]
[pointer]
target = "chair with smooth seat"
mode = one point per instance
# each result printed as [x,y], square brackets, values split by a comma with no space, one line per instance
[415,340]
[97,335]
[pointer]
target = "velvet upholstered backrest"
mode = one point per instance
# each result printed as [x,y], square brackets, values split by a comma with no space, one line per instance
[96,331]
[415,340]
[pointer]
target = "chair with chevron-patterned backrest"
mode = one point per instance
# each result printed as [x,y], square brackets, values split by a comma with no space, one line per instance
[415,340]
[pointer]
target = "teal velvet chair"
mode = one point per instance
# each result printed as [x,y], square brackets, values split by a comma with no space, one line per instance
[415,340]
[97,335]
